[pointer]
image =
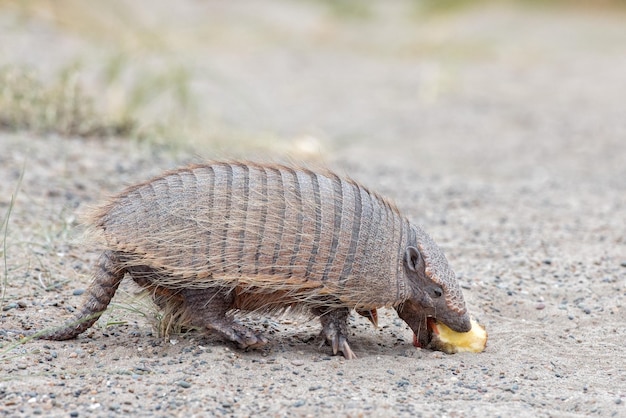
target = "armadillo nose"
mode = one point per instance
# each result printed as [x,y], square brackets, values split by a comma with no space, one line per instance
[460,324]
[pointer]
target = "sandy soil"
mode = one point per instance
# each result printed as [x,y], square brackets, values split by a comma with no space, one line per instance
[514,161]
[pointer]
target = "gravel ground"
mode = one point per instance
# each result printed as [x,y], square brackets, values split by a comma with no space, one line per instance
[513,159]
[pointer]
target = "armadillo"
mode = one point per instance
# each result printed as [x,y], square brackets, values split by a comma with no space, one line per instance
[209,239]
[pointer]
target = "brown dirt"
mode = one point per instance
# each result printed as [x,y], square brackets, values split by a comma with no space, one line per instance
[509,150]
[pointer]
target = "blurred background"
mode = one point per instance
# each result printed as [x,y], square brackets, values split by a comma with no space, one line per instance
[310,77]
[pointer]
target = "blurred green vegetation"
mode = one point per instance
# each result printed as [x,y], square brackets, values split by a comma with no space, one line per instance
[455,5]
[109,86]
[365,8]
[60,107]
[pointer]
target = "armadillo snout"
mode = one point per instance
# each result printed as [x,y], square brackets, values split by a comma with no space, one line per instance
[460,323]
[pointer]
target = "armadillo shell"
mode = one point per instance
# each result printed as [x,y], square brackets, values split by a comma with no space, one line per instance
[265,227]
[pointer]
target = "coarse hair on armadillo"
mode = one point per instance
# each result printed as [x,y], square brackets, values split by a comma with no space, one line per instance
[287,235]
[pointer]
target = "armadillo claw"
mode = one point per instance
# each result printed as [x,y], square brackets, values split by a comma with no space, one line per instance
[335,329]
[243,336]
[341,344]
[250,340]
[260,342]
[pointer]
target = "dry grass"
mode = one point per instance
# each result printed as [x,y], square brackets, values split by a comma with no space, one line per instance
[60,107]
[120,81]
[4,229]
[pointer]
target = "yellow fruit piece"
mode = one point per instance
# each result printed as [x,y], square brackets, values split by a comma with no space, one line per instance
[448,341]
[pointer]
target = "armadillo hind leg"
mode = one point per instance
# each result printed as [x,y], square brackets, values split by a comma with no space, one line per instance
[335,329]
[107,277]
[208,308]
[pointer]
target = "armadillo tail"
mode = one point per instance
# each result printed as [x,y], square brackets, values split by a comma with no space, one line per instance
[107,278]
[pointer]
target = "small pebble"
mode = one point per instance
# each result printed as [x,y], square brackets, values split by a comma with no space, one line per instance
[78,292]
[512,388]
[184,384]
[402,383]
[540,306]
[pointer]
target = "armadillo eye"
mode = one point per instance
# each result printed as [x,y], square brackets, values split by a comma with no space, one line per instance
[437,292]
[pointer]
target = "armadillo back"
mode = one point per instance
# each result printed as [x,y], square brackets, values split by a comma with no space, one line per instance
[263,226]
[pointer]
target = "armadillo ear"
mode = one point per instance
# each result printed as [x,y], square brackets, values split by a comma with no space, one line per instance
[413,259]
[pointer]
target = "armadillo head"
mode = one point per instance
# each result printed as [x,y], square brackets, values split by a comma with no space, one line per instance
[436,294]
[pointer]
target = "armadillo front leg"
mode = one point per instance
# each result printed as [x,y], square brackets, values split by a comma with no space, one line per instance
[208,308]
[335,329]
